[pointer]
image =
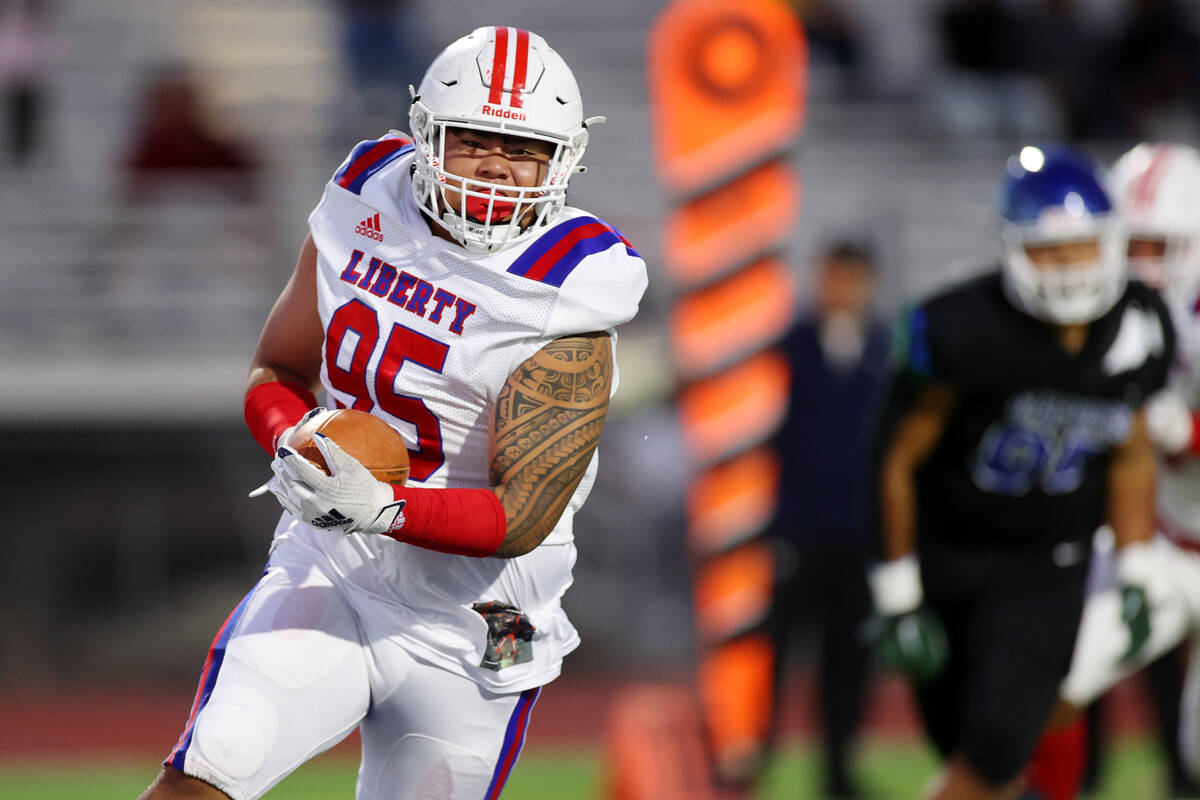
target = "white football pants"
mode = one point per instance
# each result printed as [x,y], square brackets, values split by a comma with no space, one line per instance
[289,676]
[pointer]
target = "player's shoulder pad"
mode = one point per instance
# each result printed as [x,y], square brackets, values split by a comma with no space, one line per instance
[936,337]
[1144,338]
[599,276]
[1150,302]
[560,250]
[1142,295]
[368,158]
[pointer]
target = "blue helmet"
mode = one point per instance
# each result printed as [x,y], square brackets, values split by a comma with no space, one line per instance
[1055,196]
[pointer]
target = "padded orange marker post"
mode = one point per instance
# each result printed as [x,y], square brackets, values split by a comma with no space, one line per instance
[734,501]
[727,85]
[719,231]
[735,408]
[727,92]
[735,691]
[733,595]
[722,324]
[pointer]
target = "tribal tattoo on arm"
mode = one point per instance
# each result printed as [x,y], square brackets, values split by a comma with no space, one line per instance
[547,422]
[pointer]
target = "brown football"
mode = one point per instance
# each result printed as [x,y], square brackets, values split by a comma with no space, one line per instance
[378,446]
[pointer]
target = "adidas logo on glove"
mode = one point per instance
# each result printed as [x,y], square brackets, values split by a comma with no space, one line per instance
[330,520]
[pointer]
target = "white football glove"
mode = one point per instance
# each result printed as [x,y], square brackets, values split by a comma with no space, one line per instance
[349,500]
[286,436]
[896,586]
[1169,421]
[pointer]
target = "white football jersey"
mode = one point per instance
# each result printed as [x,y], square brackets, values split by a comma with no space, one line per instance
[424,334]
[1179,478]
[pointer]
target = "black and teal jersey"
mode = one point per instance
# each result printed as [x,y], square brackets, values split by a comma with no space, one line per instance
[1023,455]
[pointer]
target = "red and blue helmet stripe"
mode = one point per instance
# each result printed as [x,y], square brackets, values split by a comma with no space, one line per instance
[559,250]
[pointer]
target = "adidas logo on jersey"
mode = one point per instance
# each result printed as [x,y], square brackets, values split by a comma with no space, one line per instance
[370,228]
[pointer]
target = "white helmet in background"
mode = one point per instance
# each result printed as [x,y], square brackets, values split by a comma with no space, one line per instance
[505,81]
[1156,189]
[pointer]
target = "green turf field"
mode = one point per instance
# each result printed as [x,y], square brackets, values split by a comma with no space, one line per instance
[889,772]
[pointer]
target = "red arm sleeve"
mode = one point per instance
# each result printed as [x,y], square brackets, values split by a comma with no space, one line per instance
[467,522]
[1193,446]
[273,407]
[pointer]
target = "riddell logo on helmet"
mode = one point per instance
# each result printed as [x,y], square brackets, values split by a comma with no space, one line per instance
[501,112]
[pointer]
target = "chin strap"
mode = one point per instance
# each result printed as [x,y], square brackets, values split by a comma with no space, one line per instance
[456,224]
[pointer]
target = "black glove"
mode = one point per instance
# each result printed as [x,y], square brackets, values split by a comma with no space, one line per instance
[914,643]
[1137,565]
[1135,613]
[908,634]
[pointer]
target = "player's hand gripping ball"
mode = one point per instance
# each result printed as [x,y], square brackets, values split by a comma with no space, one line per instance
[372,442]
[335,486]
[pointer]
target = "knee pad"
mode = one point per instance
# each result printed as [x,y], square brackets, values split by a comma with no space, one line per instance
[428,769]
[235,733]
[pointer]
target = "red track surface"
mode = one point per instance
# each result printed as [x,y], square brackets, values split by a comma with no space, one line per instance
[571,712]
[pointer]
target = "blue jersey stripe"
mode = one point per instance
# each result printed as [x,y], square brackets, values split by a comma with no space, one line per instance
[387,158]
[514,740]
[597,242]
[920,359]
[208,681]
[582,249]
[544,242]
[358,152]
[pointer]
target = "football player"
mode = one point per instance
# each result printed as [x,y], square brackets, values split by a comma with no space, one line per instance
[1156,189]
[1013,429]
[447,287]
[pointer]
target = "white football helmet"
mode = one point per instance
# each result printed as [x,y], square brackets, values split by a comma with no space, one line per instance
[507,81]
[1156,189]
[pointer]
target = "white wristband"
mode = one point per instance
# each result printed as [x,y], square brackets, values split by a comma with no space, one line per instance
[1135,563]
[896,586]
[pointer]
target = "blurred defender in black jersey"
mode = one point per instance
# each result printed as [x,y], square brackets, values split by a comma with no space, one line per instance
[1013,428]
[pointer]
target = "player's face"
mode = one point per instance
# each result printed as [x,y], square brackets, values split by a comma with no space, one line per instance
[1145,254]
[496,159]
[1144,247]
[1064,255]
[846,285]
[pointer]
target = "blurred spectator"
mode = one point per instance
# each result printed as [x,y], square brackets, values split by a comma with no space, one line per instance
[988,88]
[383,51]
[24,59]
[981,36]
[832,41]
[1065,57]
[1155,65]
[176,140]
[838,353]
[192,237]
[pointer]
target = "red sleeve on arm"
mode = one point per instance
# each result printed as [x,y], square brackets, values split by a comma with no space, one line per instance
[1193,446]
[465,522]
[271,408]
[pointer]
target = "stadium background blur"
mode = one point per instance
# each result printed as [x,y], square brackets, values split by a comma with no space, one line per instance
[171,154]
